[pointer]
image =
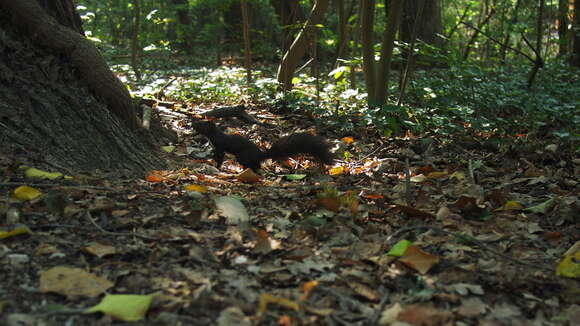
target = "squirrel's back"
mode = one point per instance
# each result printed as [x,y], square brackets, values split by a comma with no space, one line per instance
[301,143]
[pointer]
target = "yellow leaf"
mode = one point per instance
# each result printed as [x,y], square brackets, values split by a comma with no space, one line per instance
[197,188]
[168,149]
[26,193]
[16,231]
[125,307]
[36,173]
[569,266]
[458,175]
[511,205]
[337,170]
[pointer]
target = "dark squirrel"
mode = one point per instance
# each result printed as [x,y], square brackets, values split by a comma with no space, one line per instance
[250,156]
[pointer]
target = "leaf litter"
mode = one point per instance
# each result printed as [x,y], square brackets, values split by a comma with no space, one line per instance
[440,237]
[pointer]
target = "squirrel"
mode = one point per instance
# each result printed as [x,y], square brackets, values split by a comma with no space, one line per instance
[251,156]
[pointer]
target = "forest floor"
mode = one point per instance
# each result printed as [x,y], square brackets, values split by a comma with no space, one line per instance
[492,236]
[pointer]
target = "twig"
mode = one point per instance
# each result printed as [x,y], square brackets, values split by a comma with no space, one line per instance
[131,234]
[90,218]
[375,318]
[498,42]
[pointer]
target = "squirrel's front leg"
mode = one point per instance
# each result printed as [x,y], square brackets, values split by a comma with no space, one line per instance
[218,157]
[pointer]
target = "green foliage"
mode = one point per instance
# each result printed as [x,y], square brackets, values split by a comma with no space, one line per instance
[487,94]
[497,100]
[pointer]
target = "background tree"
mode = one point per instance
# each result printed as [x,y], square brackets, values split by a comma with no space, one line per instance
[290,16]
[377,74]
[430,26]
[576,32]
[299,47]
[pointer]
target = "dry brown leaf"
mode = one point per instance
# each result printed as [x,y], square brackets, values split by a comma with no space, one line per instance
[72,282]
[418,259]
[424,316]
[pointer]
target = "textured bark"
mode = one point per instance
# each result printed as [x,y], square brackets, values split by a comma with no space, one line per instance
[299,46]
[48,32]
[47,113]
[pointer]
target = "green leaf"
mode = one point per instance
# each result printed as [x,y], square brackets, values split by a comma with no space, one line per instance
[125,307]
[399,248]
[295,177]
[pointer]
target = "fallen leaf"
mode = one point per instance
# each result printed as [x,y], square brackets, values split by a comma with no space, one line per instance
[196,188]
[263,245]
[569,266]
[337,170]
[233,316]
[347,140]
[390,315]
[72,282]
[248,176]
[424,316]
[437,175]
[124,307]
[33,173]
[307,288]
[511,205]
[100,250]
[472,307]
[399,248]
[418,259]
[295,177]
[26,193]
[544,207]
[21,229]
[232,209]
[154,176]
[266,299]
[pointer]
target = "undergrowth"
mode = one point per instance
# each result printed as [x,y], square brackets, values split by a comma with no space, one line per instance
[492,102]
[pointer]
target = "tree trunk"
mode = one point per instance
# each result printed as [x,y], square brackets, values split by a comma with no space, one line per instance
[377,75]
[247,47]
[430,26]
[368,52]
[45,107]
[395,9]
[289,14]
[575,61]
[563,27]
[135,46]
[300,45]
